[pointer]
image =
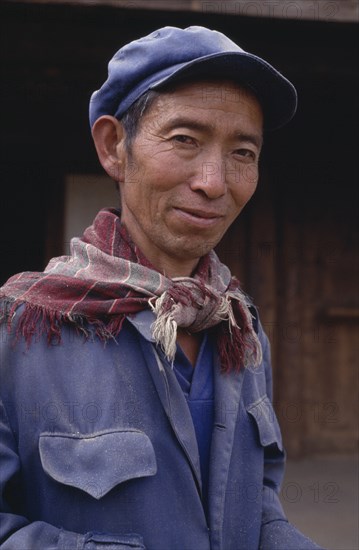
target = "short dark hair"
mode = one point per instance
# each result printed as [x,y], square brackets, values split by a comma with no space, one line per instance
[132,117]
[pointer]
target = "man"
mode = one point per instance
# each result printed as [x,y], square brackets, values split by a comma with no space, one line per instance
[136,377]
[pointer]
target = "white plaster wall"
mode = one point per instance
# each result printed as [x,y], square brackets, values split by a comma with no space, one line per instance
[85,195]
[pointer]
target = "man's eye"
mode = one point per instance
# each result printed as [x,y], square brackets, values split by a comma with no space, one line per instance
[181,138]
[247,154]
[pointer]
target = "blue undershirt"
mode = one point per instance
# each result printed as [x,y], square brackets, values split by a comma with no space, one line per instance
[198,387]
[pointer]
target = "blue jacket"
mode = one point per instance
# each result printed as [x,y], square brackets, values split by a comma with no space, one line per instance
[98,451]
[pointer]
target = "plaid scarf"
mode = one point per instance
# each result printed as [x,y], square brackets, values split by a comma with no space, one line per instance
[107,278]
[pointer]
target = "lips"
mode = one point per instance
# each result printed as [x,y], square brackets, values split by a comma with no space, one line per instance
[198,216]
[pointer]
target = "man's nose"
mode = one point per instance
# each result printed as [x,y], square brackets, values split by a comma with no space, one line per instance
[211,179]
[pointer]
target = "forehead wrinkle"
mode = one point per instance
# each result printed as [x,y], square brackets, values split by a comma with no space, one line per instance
[185,108]
[194,101]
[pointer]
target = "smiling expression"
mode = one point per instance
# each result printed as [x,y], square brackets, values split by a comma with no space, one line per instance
[192,167]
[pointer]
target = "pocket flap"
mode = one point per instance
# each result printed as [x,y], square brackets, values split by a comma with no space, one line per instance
[263,413]
[98,462]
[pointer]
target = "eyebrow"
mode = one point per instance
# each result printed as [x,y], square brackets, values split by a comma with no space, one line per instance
[191,124]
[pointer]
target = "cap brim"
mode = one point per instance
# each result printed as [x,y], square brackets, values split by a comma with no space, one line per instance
[275,93]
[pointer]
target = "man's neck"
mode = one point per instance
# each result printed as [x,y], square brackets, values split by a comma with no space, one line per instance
[190,344]
[171,268]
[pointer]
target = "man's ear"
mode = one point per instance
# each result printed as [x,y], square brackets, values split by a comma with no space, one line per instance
[108,135]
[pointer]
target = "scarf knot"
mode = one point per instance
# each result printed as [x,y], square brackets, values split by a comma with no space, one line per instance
[195,306]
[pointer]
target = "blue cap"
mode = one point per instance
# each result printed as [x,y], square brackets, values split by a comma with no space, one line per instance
[170,54]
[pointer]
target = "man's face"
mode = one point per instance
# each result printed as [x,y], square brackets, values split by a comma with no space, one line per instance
[193,166]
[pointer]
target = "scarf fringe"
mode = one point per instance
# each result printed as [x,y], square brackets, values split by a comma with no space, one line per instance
[35,321]
[233,341]
[164,328]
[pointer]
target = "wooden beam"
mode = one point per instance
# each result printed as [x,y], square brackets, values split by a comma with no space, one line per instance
[344,11]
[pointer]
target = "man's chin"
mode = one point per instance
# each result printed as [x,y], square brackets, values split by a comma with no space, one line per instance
[195,250]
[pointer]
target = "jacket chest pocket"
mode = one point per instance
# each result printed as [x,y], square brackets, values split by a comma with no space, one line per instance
[266,421]
[98,462]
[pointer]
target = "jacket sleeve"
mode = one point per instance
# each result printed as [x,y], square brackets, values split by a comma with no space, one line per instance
[276,532]
[18,533]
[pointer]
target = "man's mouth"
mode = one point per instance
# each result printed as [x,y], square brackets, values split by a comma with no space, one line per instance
[199,216]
